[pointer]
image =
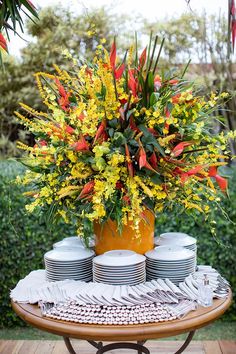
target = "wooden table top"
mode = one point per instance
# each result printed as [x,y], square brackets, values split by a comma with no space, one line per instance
[194,320]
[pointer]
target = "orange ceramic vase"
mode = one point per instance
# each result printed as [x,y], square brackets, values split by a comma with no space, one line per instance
[108,238]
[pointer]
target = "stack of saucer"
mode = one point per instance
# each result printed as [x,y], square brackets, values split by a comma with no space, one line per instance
[172,262]
[119,267]
[69,263]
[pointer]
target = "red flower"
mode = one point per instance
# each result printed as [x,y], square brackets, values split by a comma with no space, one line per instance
[101,132]
[87,189]
[173,82]
[3,42]
[222,182]
[64,99]
[117,72]
[142,58]
[119,185]
[132,84]
[175,98]
[81,144]
[157,82]
[143,159]
[179,148]
[153,160]
[129,161]
[69,129]
[126,199]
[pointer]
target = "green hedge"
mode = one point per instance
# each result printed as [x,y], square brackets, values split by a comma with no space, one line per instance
[25,238]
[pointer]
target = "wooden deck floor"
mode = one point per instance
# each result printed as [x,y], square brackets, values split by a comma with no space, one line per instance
[82,347]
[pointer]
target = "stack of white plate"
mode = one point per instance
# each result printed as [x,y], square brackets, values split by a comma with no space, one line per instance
[73,241]
[119,267]
[178,239]
[69,263]
[172,262]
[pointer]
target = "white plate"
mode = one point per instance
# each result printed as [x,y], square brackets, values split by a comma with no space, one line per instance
[121,276]
[119,258]
[170,253]
[74,267]
[60,254]
[116,278]
[131,266]
[68,277]
[175,238]
[121,283]
[73,241]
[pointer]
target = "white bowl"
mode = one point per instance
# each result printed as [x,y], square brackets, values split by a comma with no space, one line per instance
[74,241]
[175,238]
[68,254]
[170,253]
[118,258]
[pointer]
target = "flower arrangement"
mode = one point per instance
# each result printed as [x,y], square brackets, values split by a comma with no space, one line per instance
[119,137]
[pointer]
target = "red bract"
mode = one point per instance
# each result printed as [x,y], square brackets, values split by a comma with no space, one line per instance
[142,158]
[132,84]
[101,132]
[119,185]
[142,58]
[43,143]
[153,160]
[233,10]
[157,81]
[132,125]
[222,182]
[81,117]
[3,42]
[119,72]
[69,129]
[64,102]
[233,29]
[179,148]
[81,144]
[175,98]
[184,175]
[87,189]
[60,88]
[126,199]
[113,55]
[173,82]
[129,162]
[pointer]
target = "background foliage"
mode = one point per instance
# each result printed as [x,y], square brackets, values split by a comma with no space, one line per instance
[25,238]
[201,38]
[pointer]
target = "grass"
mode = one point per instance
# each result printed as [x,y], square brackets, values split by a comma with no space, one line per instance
[216,331]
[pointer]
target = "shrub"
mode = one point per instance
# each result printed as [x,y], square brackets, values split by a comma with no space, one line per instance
[26,237]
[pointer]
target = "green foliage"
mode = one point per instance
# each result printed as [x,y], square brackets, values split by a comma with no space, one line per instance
[24,239]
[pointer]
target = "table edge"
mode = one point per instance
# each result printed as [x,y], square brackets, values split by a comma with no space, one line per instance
[122,332]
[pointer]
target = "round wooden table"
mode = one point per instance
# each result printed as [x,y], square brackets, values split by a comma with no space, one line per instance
[96,334]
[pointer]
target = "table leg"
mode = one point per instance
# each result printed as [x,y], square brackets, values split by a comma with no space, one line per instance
[135,346]
[68,345]
[140,342]
[186,343]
